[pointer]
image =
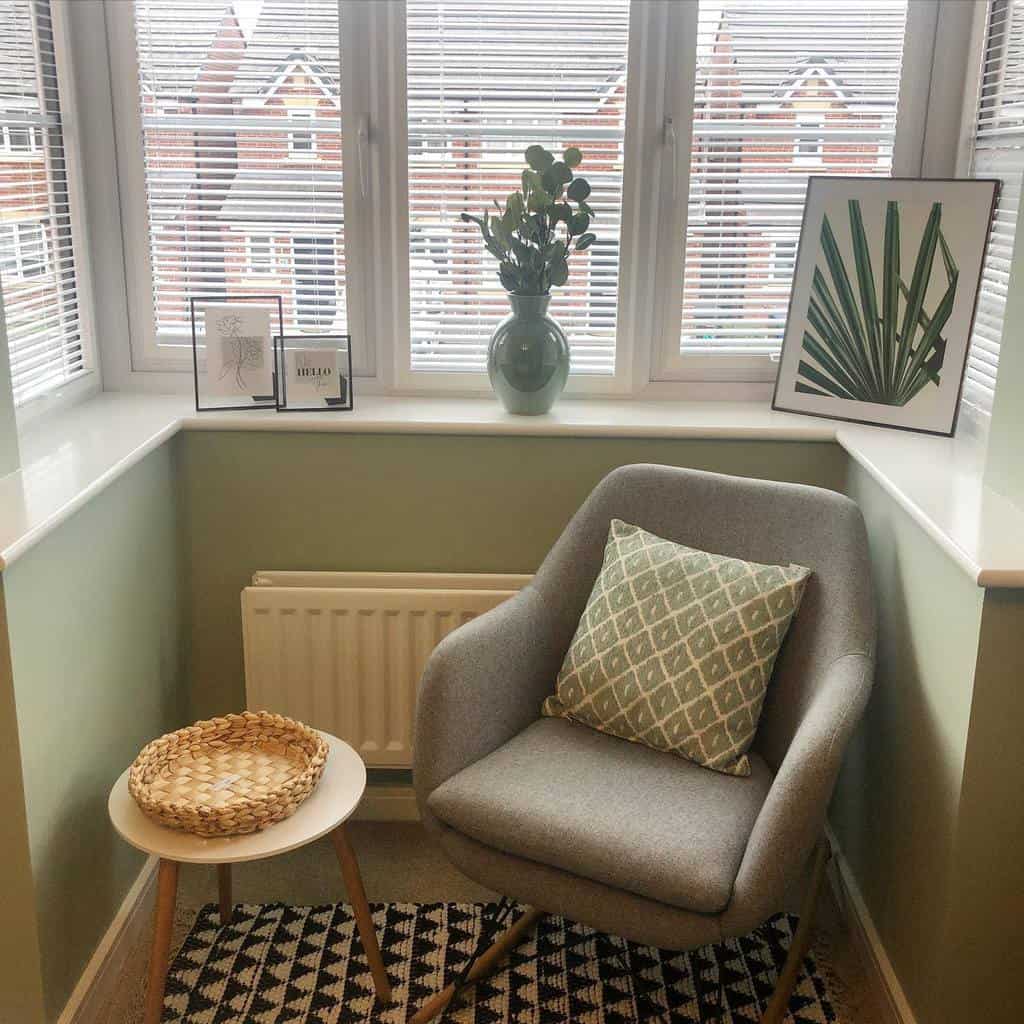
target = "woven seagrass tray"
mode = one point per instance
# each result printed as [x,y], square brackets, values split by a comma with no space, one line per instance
[228,776]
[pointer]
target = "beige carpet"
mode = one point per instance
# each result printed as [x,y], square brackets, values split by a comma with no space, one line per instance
[399,864]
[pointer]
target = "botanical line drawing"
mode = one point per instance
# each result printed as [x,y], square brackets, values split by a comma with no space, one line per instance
[239,352]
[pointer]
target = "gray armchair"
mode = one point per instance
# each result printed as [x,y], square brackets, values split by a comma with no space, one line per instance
[628,840]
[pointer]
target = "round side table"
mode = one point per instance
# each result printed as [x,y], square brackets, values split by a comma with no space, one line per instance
[323,812]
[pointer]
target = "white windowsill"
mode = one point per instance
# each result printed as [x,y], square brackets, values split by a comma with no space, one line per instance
[69,457]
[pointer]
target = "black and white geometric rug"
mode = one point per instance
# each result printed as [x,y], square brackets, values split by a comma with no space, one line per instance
[303,965]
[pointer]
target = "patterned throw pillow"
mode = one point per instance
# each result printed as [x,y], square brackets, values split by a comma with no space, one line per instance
[676,646]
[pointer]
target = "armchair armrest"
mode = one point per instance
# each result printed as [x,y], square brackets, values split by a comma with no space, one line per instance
[793,815]
[483,683]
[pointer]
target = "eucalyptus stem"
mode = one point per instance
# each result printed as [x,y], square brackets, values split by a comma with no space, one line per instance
[523,237]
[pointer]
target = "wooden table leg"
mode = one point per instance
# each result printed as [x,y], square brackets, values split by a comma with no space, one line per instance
[163,919]
[224,893]
[364,922]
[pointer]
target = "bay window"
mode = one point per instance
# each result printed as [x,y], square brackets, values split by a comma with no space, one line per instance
[325,151]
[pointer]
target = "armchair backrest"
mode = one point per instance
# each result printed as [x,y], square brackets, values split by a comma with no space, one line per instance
[758,520]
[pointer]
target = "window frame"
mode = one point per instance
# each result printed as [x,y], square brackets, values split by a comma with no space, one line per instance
[406,380]
[376,156]
[88,381]
[148,354]
[669,364]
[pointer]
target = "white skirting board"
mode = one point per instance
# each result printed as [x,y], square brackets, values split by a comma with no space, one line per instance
[129,929]
[881,976]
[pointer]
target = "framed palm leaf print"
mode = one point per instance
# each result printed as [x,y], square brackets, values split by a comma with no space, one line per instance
[883,300]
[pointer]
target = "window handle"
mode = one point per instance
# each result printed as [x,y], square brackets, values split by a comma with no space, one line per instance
[363,153]
[669,139]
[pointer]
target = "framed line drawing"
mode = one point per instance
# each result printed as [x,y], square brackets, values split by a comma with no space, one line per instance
[238,337]
[883,300]
[314,372]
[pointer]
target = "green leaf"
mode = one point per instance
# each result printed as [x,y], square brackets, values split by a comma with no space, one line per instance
[918,290]
[585,241]
[832,337]
[846,301]
[538,158]
[578,223]
[584,208]
[929,341]
[578,189]
[551,182]
[572,157]
[831,365]
[890,293]
[561,172]
[947,259]
[538,200]
[531,180]
[560,211]
[559,272]
[520,248]
[514,204]
[866,288]
[508,276]
[829,386]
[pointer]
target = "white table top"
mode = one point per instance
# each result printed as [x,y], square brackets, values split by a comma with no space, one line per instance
[335,798]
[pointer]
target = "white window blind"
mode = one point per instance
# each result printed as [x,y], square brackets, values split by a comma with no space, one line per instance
[37,254]
[997,153]
[486,79]
[241,124]
[784,89]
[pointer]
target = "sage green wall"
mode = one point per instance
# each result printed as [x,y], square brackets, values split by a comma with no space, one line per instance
[897,804]
[986,923]
[21,990]
[95,621]
[259,500]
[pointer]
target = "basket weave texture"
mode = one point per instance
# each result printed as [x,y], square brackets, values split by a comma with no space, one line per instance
[228,776]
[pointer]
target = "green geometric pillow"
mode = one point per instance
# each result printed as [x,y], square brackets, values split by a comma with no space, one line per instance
[676,647]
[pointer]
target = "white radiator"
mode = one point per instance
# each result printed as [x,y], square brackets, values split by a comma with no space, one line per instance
[344,651]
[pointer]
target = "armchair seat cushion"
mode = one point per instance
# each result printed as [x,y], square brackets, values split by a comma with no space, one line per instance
[606,809]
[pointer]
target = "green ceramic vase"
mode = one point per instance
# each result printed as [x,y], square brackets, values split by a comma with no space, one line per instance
[528,357]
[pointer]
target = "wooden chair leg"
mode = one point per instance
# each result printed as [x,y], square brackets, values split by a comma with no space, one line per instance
[364,921]
[485,965]
[163,920]
[779,1003]
[224,893]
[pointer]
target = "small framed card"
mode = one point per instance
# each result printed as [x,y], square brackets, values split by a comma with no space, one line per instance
[237,336]
[314,372]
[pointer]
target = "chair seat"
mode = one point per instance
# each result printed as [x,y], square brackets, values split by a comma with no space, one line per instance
[615,812]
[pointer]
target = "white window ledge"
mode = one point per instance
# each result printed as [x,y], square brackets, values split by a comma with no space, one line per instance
[69,457]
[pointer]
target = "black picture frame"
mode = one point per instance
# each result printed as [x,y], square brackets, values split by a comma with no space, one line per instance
[258,401]
[343,402]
